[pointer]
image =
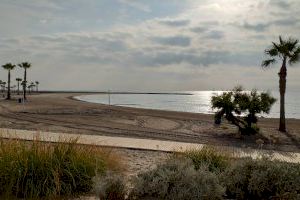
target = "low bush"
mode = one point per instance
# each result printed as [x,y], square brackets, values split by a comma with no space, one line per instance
[110,186]
[177,179]
[215,160]
[262,179]
[37,169]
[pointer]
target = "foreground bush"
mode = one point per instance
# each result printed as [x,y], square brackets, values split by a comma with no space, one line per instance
[34,170]
[110,186]
[177,179]
[215,160]
[262,179]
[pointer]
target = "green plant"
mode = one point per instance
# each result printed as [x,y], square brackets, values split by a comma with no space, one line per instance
[262,179]
[110,186]
[240,108]
[37,169]
[215,160]
[177,179]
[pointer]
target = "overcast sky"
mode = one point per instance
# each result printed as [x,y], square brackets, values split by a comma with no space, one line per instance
[147,45]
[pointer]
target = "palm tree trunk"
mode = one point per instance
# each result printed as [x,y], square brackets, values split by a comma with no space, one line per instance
[8,85]
[18,87]
[24,85]
[282,87]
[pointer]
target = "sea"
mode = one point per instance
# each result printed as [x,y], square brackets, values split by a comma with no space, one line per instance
[187,101]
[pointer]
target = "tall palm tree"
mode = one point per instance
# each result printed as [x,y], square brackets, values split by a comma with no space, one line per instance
[25,66]
[287,50]
[18,80]
[37,85]
[8,67]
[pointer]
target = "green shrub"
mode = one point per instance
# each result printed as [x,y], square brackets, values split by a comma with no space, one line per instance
[110,186]
[36,169]
[240,108]
[262,179]
[215,160]
[177,179]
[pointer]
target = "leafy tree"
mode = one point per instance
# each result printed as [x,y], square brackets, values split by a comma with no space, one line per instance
[240,108]
[8,67]
[287,50]
[25,66]
[18,80]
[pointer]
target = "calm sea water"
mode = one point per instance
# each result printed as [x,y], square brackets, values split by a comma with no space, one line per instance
[190,101]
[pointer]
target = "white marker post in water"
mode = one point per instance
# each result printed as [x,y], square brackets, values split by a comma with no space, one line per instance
[108,97]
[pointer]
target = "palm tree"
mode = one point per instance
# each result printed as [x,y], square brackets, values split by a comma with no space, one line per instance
[8,67]
[37,85]
[18,80]
[25,66]
[287,51]
[31,86]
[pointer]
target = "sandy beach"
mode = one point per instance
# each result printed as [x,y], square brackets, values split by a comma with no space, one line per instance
[59,112]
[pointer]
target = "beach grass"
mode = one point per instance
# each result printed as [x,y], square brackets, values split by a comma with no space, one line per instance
[213,158]
[36,169]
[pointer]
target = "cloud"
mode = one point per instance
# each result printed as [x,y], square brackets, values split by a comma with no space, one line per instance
[282,4]
[199,29]
[217,35]
[286,22]
[136,4]
[182,41]
[260,27]
[175,23]
[119,43]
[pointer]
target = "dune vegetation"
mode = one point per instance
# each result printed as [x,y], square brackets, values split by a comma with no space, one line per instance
[205,174]
[37,169]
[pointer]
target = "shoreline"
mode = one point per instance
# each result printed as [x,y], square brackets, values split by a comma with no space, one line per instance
[114,92]
[123,105]
[60,112]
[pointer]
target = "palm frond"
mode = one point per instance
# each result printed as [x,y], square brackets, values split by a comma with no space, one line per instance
[272,52]
[291,44]
[267,63]
[295,57]
[281,40]
[9,66]
[25,65]
[276,46]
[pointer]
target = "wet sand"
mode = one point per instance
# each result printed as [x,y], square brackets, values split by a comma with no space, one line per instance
[58,112]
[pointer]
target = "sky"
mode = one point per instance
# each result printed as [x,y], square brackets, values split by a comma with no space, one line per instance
[143,45]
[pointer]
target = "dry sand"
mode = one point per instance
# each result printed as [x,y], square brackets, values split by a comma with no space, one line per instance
[58,112]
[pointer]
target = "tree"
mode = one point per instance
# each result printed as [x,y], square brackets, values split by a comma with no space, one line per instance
[288,51]
[2,85]
[18,80]
[37,85]
[240,108]
[8,67]
[25,66]
[30,87]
